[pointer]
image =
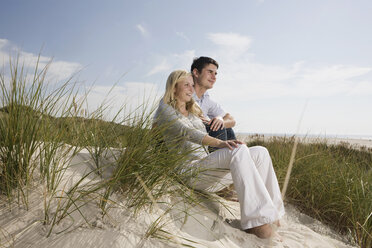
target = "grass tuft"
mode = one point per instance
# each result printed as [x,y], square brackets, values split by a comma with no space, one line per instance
[332,183]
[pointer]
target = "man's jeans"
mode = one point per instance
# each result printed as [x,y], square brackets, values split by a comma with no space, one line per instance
[222,134]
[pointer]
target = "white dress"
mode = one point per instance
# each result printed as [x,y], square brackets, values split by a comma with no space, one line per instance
[250,169]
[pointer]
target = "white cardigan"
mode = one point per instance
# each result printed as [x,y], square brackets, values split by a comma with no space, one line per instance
[190,129]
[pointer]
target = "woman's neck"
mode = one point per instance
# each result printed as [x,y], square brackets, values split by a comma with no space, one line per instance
[182,109]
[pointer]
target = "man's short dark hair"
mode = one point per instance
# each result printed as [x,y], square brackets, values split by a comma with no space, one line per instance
[201,62]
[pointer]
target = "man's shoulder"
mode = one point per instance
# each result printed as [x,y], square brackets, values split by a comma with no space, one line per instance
[208,99]
[206,95]
[213,109]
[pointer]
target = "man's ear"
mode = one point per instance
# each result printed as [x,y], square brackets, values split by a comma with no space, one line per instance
[195,72]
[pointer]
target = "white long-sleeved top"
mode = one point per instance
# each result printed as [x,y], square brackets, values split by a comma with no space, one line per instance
[191,129]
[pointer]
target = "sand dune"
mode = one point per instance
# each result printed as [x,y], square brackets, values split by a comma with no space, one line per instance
[207,225]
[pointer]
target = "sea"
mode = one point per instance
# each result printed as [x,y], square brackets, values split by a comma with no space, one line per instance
[321,136]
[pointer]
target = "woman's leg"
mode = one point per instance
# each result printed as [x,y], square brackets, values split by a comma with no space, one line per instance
[264,165]
[257,207]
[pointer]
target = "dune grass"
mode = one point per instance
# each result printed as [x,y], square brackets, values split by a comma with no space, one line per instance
[332,183]
[41,130]
[26,105]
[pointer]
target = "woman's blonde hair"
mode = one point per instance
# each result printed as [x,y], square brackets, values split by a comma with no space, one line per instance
[169,98]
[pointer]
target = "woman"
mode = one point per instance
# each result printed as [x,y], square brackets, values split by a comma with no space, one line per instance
[250,169]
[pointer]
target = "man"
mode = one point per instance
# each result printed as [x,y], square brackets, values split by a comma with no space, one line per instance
[218,123]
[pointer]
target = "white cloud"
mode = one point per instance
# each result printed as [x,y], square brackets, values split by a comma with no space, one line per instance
[231,42]
[58,70]
[183,60]
[134,97]
[142,30]
[3,42]
[238,70]
[259,81]
[163,66]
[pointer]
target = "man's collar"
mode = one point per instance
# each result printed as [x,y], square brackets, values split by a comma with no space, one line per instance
[202,97]
[195,96]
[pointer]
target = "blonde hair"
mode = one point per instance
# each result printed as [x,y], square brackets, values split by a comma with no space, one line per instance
[173,79]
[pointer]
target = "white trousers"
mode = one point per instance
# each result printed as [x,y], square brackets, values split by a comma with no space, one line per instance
[252,173]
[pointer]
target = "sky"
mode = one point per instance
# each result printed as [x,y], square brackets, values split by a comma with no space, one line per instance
[286,66]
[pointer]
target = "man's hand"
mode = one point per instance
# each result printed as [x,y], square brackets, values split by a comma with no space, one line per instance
[216,123]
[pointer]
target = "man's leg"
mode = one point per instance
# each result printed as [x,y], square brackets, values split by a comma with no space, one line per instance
[230,134]
[219,134]
[222,134]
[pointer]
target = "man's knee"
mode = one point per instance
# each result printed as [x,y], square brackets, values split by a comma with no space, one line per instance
[219,134]
[230,134]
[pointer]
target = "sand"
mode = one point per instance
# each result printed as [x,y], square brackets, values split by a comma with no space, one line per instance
[207,225]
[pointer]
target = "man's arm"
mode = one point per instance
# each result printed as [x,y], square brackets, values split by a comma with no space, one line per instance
[219,122]
[219,118]
[229,121]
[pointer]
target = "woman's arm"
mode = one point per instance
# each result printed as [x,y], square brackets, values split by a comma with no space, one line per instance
[167,118]
[210,141]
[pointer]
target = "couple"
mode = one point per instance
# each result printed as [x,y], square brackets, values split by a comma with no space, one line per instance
[249,169]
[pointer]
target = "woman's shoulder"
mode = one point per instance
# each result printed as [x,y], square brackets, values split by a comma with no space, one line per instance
[164,110]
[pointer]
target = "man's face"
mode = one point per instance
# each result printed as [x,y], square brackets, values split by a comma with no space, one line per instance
[207,77]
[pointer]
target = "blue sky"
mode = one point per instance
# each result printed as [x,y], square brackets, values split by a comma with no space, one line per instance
[275,56]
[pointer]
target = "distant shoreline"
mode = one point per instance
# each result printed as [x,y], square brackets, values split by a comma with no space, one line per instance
[354,140]
[320,136]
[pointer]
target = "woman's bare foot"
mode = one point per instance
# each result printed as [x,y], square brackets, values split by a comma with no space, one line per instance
[263,232]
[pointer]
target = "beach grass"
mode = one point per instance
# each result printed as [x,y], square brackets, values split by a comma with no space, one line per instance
[332,183]
[42,128]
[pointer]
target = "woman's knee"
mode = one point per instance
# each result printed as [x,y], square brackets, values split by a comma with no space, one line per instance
[259,153]
[242,148]
[259,149]
[239,151]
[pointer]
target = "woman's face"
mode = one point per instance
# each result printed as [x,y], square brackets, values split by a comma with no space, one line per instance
[184,90]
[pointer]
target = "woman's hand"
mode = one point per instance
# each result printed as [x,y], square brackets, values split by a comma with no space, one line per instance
[231,144]
[210,141]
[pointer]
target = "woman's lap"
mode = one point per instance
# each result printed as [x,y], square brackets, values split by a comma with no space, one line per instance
[214,169]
